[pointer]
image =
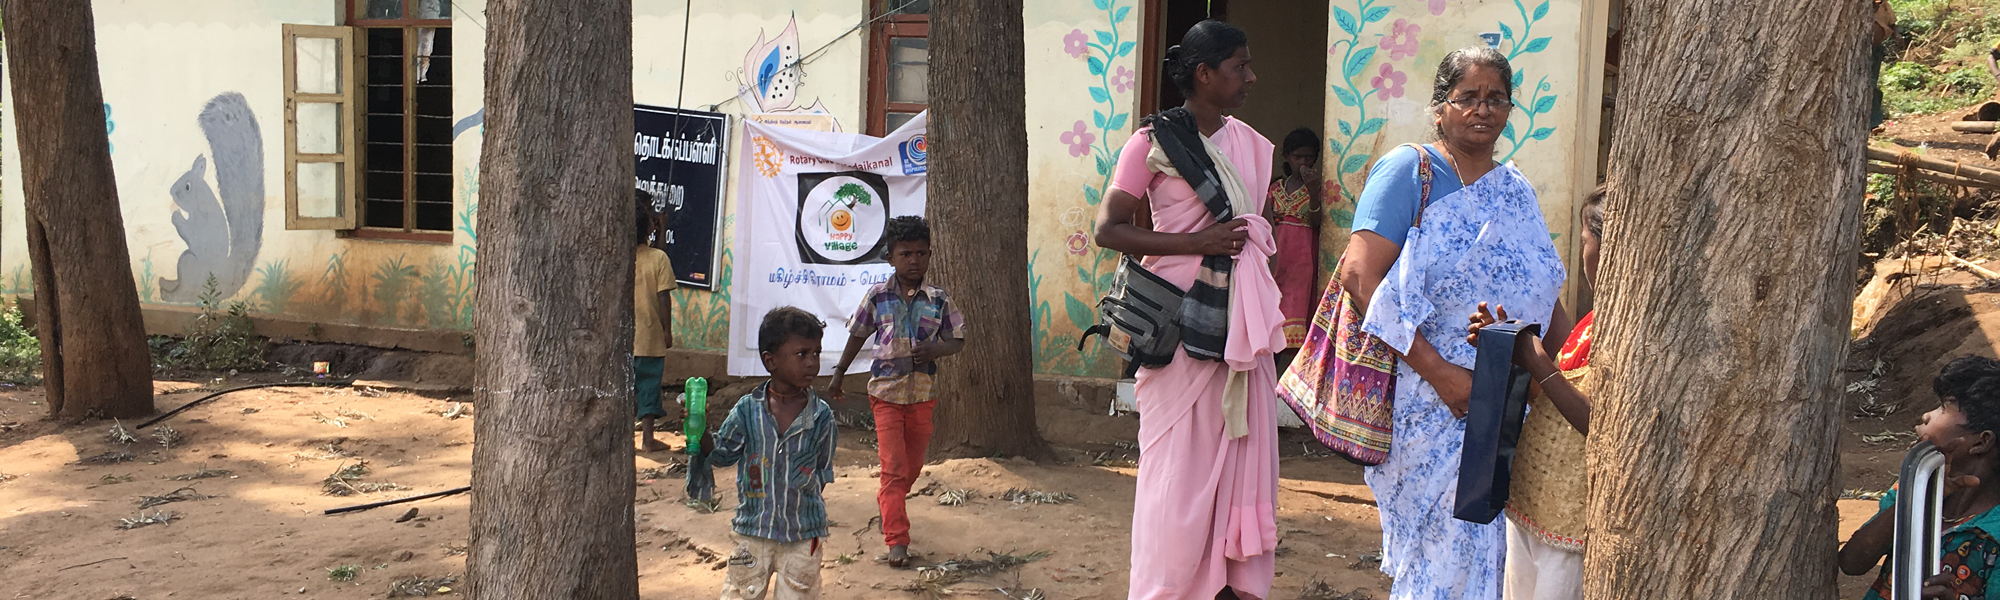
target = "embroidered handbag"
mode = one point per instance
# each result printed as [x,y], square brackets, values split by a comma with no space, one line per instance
[1139,317]
[1344,380]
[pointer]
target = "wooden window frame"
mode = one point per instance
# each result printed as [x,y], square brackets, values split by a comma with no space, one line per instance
[1151,13]
[409,25]
[349,141]
[879,106]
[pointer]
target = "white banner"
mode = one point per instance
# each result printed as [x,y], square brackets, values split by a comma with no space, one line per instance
[811,211]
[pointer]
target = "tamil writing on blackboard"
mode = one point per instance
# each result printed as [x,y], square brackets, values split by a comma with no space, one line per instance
[684,150]
[664,194]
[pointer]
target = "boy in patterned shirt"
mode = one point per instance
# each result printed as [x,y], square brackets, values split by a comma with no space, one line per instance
[783,435]
[913,324]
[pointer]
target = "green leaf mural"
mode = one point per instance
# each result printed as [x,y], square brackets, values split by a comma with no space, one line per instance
[1108,62]
[1538,101]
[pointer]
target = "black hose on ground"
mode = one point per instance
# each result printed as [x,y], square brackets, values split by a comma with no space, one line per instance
[198,401]
[361,507]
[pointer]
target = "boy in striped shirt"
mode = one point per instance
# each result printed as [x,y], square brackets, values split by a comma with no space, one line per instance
[781,437]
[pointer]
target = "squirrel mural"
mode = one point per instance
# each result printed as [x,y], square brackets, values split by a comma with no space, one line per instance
[223,227]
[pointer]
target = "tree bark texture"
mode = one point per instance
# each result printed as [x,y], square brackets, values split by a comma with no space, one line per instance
[552,448]
[979,215]
[86,305]
[1729,266]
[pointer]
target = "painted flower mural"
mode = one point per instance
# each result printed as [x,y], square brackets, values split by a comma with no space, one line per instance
[1079,243]
[1437,7]
[1076,43]
[1401,42]
[1389,81]
[1079,139]
[1061,306]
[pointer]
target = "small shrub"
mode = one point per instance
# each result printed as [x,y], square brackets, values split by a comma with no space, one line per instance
[1967,81]
[1905,76]
[20,351]
[221,338]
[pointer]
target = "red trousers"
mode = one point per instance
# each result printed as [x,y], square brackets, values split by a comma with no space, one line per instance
[902,434]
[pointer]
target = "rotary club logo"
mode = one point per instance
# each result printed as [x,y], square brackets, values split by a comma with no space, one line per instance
[766,156]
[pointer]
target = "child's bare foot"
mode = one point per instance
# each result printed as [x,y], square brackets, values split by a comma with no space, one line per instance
[653,445]
[899,556]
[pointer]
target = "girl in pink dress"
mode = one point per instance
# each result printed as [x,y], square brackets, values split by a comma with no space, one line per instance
[1204,519]
[1294,209]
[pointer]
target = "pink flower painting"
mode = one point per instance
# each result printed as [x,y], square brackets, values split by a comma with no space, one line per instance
[1437,7]
[1076,43]
[1389,82]
[1401,42]
[1122,80]
[1078,243]
[1080,138]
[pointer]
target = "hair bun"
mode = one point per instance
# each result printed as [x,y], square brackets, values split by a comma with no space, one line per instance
[1172,60]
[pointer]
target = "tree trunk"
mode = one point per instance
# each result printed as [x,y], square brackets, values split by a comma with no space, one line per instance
[1730,256]
[86,305]
[979,213]
[552,451]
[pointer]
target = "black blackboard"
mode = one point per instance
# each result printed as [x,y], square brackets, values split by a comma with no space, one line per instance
[679,158]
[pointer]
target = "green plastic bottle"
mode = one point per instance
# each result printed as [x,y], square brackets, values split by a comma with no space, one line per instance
[697,419]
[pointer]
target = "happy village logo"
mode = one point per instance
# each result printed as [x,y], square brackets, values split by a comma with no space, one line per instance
[842,217]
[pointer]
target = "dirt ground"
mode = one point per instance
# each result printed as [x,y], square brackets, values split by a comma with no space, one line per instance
[257,531]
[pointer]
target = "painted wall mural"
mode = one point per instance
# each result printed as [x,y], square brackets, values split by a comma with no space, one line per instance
[1380,79]
[396,291]
[222,226]
[1104,51]
[772,75]
[701,317]
[1536,101]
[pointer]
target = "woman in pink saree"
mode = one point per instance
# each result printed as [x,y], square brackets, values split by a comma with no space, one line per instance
[1204,519]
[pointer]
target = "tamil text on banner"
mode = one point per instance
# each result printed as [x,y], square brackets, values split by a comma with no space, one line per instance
[812,209]
[678,159]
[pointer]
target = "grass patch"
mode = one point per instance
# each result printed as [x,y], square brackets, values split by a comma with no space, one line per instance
[343,572]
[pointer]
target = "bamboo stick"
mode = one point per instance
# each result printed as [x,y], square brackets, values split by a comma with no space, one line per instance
[1904,158]
[1982,272]
[1920,174]
[1975,126]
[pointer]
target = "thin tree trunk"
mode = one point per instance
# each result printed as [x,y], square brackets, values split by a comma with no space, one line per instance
[552,450]
[87,307]
[1730,255]
[979,207]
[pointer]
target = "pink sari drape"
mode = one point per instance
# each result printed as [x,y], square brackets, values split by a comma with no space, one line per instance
[1205,514]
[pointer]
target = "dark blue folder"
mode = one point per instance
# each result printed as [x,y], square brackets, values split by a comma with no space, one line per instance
[1493,425]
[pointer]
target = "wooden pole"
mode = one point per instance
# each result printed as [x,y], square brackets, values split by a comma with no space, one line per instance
[1905,158]
[1975,126]
[1923,175]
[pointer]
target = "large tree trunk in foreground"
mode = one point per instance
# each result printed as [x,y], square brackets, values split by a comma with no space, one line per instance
[552,448]
[1728,278]
[94,357]
[979,212]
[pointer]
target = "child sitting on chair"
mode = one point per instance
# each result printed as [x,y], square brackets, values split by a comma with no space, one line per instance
[1965,427]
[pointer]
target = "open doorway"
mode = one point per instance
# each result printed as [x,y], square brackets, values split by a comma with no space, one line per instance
[1288,52]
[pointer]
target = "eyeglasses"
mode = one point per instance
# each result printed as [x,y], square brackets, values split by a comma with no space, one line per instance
[1471,104]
